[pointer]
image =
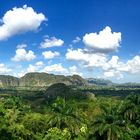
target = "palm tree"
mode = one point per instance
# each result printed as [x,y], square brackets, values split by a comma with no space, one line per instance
[64,115]
[108,125]
[130,108]
[35,122]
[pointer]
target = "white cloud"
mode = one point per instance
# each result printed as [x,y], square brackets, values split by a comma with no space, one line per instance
[113,67]
[39,64]
[95,53]
[50,54]
[87,59]
[31,68]
[36,67]
[23,55]
[59,69]
[112,73]
[131,66]
[76,55]
[20,74]
[51,42]
[21,46]
[112,63]
[73,70]
[56,68]
[134,65]
[20,20]
[4,69]
[76,40]
[116,68]
[106,41]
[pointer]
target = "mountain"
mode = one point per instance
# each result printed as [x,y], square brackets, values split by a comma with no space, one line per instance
[44,79]
[37,79]
[99,82]
[8,81]
[40,80]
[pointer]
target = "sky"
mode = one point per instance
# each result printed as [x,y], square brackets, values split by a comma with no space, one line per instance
[91,38]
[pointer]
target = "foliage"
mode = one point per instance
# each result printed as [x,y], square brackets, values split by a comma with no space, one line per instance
[94,118]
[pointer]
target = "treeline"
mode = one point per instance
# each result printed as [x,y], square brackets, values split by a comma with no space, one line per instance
[94,118]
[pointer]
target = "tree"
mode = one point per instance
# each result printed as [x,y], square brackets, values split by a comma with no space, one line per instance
[130,109]
[35,122]
[108,125]
[57,134]
[64,115]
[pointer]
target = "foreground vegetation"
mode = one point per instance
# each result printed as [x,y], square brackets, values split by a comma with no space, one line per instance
[92,118]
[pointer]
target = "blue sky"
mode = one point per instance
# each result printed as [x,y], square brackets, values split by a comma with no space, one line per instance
[92,38]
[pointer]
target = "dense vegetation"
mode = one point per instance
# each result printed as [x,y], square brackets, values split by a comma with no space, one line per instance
[67,108]
[92,118]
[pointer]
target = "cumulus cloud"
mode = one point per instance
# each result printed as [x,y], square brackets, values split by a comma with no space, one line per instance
[112,63]
[51,42]
[117,68]
[95,53]
[59,69]
[4,69]
[23,55]
[87,59]
[39,64]
[106,41]
[131,66]
[21,46]
[113,73]
[36,67]
[73,70]
[20,20]
[50,54]
[56,68]
[76,40]
[111,67]
[134,65]
[20,74]
[31,68]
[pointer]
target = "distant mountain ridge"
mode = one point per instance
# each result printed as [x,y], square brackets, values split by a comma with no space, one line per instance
[37,79]
[99,82]
[40,80]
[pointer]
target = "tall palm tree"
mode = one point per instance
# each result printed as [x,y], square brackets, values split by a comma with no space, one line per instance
[130,109]
[108,125]
[64,115]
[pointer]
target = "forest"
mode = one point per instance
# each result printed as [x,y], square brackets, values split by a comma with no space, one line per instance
[89,118]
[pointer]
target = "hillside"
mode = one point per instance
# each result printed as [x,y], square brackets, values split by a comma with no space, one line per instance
[44,79]
[40,80]
[36,79]
[8,81]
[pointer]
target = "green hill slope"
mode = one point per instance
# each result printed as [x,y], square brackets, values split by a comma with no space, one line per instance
[40,80]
